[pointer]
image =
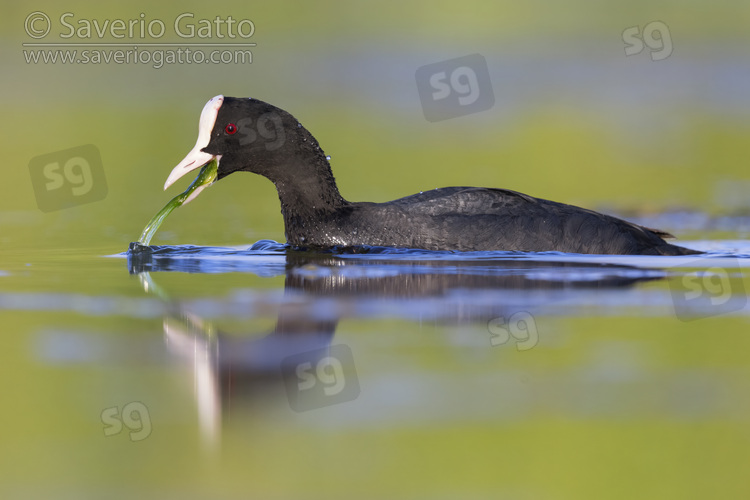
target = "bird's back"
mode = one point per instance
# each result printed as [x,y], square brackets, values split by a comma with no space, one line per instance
[473,219]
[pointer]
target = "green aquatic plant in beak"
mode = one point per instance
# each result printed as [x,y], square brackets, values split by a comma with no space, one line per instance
[206,176]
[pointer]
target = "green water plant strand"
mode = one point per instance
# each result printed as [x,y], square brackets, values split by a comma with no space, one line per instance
[206,176]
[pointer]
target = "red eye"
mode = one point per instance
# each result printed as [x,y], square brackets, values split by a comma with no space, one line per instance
[230,129]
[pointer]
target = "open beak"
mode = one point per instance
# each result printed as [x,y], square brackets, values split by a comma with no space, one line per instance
[197,158]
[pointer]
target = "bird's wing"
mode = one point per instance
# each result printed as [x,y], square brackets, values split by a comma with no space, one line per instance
[478,202]
[466,201]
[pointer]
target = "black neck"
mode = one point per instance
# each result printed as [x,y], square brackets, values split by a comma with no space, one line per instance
[307,188]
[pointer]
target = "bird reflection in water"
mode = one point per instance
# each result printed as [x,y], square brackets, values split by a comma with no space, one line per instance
[232,371]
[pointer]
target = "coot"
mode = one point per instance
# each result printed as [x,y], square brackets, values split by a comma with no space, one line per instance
[250,135]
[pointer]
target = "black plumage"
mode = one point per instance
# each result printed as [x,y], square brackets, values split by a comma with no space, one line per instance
[253,136]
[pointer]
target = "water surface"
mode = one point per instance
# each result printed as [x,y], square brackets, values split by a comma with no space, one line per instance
[265,369]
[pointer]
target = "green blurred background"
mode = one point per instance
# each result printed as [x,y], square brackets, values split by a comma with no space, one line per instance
[574,120]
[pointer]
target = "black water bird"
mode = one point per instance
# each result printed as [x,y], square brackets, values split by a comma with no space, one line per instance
[253,136]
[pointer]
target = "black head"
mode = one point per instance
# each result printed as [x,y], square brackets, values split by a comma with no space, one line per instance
[246,134]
